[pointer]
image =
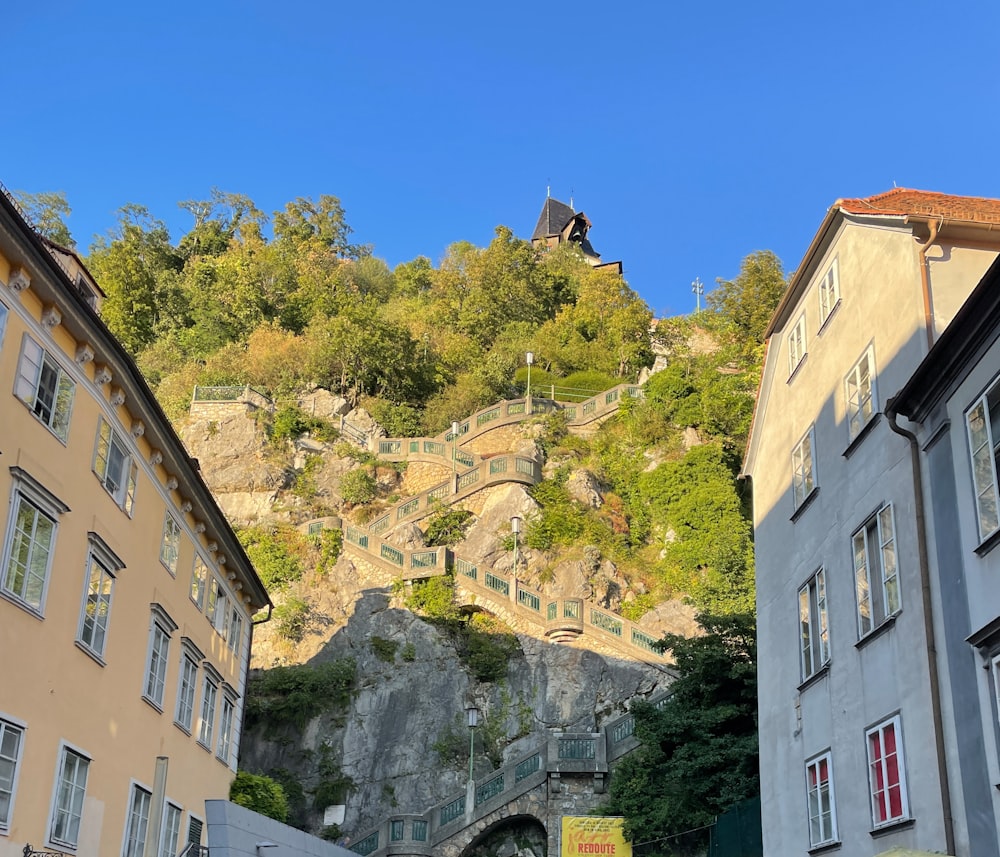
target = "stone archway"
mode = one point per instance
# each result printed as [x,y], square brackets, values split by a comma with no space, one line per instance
[513,836]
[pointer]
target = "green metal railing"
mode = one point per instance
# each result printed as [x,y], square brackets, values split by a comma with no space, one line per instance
[391,554]
[606,622]
[527,767]
[489,789]
[366,845]
[577,748]
[463,566]
[498,584]
[529,600]
[451,811]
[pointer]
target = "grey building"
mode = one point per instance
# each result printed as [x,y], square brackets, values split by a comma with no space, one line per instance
[854,756]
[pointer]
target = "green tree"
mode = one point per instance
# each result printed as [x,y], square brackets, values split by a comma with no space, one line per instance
[48,211]
[698,752]
[748,301]
[261,794]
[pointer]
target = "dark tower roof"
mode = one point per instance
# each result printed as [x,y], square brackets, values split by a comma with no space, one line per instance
[553,219]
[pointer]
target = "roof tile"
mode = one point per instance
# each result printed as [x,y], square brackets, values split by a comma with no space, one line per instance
[905,201]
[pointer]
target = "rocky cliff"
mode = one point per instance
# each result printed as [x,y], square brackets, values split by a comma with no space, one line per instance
[401,743]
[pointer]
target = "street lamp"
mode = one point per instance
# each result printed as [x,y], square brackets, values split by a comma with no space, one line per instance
[530,357]
[472,720]
[454,464]
[515,528]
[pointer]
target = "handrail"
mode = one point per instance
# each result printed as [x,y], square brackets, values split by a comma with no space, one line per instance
[559,752]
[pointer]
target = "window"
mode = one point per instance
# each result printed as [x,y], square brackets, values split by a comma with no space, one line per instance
[983,424]
[206,723]
[829,292]
[225,745]
[813,623]
[138,822]
[199,581]
[160,630]
[819,789]
[859,389]
[96,606]
[234,630]
[185,692]
[67,808]
[31,534]
[44,388]
[170,546]
[803,476]
[876,576]
[115,467]
[3,321]
[886,774]
[171,830]
[195,826]
[11,737]
[796,344]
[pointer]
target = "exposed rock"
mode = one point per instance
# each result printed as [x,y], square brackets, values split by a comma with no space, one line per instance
[234,455]
[323,403]
[691,438]
[585,488]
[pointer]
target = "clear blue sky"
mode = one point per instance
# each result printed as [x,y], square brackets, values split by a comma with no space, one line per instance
[690,133]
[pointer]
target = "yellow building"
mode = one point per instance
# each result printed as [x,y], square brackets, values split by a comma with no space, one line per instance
[125,598]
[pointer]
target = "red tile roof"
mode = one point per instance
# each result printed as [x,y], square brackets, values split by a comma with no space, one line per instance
[903,201]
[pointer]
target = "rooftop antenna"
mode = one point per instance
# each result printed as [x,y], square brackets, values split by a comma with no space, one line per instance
[571,200]
[548,189]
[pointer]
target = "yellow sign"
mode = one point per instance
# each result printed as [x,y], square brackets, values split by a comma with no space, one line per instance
[593,834]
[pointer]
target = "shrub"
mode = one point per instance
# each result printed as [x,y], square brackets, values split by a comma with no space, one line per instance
[277,554]
[385,650]
[447,527]
[331,543]
[358,487]
[261,794]
[292,696]
[409,653]
[291,619]
[434,598]
[290,422]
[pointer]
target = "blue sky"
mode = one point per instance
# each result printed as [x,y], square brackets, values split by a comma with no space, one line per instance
[690,134]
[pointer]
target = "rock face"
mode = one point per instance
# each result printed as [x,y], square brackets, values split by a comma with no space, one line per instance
[402,742]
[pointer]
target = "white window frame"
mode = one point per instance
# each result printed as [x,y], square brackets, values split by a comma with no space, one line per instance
[227,722]
[982,423]
[209,702]
[199,581]
[11,731]
[154,684]
[137,821]
[876,554]
[880,767]
[3,320]
[31,589]
[170,545]
[115,466]
[804,480]
[67,798]
[861,393]
[187,685]
[169,840]
[829,291]
[45,388]
[814,639]
[821,802]
[796,344]
[105,565]
[233,632]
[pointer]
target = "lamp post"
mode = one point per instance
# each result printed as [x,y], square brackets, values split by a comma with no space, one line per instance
[515,528]
[530,358]
[454,463]
[472,720]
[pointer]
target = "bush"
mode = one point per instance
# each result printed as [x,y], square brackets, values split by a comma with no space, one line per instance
[331,543]
[434,598]
[292,696]
[261,794]
[447,527]
[385,650]
[276,554]
[358,487]
[291,619]
[290,422]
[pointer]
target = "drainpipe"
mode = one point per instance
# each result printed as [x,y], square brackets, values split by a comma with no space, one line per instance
[925,597]
[925,280]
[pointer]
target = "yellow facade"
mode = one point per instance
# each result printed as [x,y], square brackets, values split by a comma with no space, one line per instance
[112,653]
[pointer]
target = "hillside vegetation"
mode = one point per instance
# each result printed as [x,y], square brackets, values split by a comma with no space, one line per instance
[421,345]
